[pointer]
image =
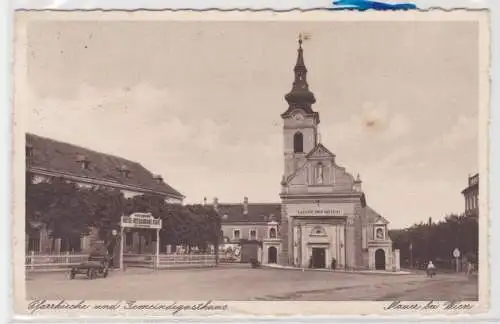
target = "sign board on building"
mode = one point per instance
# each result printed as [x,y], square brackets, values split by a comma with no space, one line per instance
[456,253]
[141,220]
[320,212]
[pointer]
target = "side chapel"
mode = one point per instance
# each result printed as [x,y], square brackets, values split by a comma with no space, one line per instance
[325,219]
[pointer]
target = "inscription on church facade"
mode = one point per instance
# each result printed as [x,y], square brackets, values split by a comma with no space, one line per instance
[320,212]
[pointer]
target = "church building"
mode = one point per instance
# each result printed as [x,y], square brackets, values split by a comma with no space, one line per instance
[325,218]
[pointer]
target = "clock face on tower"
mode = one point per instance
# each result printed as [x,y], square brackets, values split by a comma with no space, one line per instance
[298,116]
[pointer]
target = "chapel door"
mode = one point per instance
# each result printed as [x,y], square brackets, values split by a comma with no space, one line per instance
[318,258]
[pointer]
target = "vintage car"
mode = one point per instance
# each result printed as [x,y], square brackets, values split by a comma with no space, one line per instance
[96,265]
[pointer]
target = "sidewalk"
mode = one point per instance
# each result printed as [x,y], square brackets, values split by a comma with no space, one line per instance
[277,266]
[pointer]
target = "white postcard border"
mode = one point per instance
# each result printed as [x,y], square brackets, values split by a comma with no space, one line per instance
[274,307]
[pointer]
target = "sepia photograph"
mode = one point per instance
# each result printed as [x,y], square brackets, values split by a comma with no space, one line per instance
[237,157]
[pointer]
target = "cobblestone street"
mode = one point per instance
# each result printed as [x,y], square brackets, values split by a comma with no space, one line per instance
[243,283]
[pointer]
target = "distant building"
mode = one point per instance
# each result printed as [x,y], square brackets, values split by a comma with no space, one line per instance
[248,221]
[47,159]
[471,194]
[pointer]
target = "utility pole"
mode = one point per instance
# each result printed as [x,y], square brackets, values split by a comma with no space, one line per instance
[411,255]
[345,245]
[429,253]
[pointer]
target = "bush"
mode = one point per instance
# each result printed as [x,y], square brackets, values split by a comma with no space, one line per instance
[254,263]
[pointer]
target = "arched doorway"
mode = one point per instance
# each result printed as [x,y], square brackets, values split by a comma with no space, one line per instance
[380,259]
[272,255]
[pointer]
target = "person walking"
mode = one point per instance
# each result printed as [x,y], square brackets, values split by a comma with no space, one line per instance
[470,268]
[334,264]
[431,269]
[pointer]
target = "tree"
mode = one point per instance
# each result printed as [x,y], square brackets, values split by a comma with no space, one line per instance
[63,208]
[438,240]
[191,225]
[107,206]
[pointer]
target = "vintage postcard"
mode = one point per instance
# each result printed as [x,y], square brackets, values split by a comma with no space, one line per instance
[251,163]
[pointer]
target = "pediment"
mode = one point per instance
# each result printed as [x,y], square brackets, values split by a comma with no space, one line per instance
[381,221]
[320,151]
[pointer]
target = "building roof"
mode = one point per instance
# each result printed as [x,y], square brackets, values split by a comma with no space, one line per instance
[372,216]
[64,158]
[257,213]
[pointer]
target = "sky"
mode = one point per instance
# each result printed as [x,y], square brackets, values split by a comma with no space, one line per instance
[200,103]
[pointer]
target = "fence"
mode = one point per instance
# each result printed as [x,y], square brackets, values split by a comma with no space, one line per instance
[169,260]
[62,261]
[52,261]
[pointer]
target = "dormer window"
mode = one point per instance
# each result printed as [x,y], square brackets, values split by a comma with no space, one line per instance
[84,162]
[124,171]
[158,178]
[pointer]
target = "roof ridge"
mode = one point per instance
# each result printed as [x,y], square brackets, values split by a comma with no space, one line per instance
[104,165]
[83,148]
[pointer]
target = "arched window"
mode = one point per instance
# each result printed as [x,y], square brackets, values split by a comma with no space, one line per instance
[318,230]
[272,233]
[298,142]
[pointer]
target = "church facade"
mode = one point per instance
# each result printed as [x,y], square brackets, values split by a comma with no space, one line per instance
[325,220]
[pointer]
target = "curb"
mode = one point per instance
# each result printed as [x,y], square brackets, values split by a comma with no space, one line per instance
[367,272]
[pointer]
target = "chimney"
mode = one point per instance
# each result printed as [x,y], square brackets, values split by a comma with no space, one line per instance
[204,201]
[245,206]
[216,203]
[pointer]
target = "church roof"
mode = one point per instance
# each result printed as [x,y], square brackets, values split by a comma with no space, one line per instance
[372,216]
[257,213]
[66,159]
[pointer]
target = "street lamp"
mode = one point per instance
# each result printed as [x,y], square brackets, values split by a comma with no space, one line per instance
[411,255]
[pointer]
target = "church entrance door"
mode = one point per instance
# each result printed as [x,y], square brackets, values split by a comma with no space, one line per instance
[379,259]
[318,258]
[272,255]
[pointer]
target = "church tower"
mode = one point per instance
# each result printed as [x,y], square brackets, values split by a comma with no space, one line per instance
[300,127]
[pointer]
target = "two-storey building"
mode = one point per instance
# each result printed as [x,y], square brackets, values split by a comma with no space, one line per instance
[47,159]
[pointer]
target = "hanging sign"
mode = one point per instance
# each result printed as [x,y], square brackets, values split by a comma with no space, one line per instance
[141,220]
